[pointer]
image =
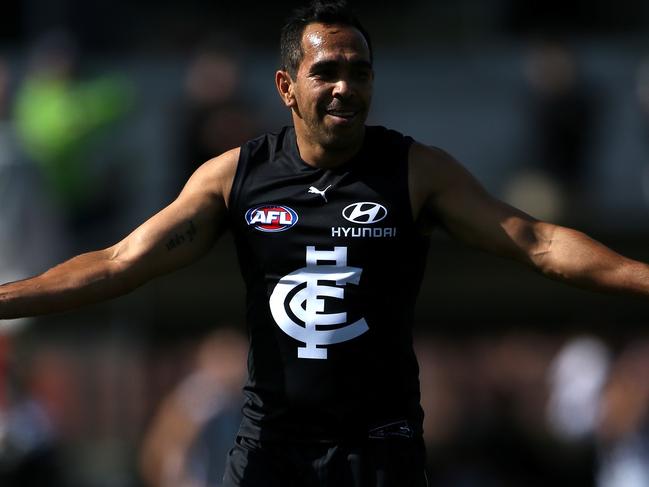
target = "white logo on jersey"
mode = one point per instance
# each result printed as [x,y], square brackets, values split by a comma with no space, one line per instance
[315,190]
[308,305]
[365,212]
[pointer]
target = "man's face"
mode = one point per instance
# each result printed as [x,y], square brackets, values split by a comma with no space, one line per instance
[333,85]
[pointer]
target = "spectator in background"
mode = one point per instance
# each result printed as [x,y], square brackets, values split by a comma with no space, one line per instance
[19,197]
[563,110]
[562,123]
[29,449]
[190,436]
[486,399]
[59,118]
[214,113]
[623,430]
[642,93]
[577,376]
[29,455]
[9,210]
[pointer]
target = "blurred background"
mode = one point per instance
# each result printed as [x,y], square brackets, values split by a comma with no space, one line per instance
[106,107]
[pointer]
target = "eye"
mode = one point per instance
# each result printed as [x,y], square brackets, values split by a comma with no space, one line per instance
[363,75]
[325,74]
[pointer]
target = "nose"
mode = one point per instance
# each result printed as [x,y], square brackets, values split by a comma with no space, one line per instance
[342,88]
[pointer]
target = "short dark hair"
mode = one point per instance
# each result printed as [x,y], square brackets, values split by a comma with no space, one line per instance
[322,11]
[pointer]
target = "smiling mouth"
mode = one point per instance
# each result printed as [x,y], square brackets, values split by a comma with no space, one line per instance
[344,114]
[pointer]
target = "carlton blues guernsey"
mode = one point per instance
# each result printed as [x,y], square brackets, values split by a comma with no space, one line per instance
[332,263]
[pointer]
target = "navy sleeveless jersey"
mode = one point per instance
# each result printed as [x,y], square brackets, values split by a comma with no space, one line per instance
[332,263]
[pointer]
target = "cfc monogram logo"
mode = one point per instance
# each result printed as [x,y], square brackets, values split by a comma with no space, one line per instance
[302,293]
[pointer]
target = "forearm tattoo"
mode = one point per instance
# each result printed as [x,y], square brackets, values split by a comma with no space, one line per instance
[180,238]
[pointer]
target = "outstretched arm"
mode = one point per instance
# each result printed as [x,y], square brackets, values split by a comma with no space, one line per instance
[173,238]
[444,191]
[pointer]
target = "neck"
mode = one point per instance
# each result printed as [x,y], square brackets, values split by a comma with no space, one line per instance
[318,155]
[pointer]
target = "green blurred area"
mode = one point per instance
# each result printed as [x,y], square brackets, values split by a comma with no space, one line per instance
[59,121]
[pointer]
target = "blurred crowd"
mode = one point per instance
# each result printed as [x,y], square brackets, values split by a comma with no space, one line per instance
[509,409]
[516,408]
[534,409]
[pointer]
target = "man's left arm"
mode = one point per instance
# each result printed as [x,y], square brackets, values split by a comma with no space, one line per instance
[444,191]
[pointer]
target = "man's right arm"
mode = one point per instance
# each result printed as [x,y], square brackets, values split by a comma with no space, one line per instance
[173,238]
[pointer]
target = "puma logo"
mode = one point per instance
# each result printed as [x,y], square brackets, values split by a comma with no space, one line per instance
[315,190]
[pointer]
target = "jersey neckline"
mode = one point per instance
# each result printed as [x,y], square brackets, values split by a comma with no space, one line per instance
[290,147]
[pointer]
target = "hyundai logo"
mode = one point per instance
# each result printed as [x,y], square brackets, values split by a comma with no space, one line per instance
[365,212]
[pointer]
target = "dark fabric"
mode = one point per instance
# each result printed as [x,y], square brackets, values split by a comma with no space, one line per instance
[374,463]
[327,253]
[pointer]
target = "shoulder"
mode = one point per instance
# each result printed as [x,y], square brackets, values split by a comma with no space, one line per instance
[432,172]
[425,160]
[222,166]
[432,167]
[216,175]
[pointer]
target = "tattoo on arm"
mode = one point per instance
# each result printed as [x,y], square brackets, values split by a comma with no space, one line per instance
[180,238]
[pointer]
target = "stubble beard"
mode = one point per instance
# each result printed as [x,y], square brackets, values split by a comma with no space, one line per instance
[332,137]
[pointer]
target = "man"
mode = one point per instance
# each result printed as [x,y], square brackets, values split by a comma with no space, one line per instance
[329,218]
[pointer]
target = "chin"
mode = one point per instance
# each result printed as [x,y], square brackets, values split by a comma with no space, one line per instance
[340,141]
[341,136]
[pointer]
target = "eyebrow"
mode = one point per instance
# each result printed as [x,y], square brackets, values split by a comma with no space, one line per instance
[324,64]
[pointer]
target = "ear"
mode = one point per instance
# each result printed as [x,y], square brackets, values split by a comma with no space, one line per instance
[284,85]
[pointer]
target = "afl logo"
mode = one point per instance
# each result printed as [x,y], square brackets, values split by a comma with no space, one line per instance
[365,212]
[271,218]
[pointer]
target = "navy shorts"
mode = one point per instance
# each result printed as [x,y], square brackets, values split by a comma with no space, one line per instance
[381,462]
